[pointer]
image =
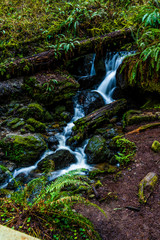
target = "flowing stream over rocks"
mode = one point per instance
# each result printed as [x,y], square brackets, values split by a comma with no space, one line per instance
[105,89]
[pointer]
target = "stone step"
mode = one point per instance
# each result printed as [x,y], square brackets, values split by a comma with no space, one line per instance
[10,234]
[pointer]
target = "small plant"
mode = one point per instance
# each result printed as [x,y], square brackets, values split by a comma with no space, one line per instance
[50,85]
[125,149]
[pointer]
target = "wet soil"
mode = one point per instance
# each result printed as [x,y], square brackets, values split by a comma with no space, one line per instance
[127,219]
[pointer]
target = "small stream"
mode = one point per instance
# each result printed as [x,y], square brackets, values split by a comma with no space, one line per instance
[105,89]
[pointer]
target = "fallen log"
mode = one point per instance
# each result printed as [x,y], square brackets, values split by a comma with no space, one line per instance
[144,128]
[86,125]
[49,59]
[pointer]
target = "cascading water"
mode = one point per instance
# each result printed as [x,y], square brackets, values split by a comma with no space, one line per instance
[105,89]
[108,85]
[78,152]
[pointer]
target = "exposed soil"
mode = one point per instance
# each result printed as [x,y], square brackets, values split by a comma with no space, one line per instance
[127,219]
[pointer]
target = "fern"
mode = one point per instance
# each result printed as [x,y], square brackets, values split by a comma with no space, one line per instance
[51,204]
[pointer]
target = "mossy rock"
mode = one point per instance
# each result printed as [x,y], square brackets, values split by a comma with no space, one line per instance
[136,116]
[15,123]
[97,150]
[23,150]
[34,110]
[29,128]
[61,158]
[38,126]
[156,146]
[147,186]
[65,88]
[12,121]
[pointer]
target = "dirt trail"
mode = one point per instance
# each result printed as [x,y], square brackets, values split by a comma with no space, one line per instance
[138,222]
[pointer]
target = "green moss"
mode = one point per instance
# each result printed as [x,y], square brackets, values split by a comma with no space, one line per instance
[18,125]
[146,186]
[155,146]
[30,128]
[22,149]
[34,110]
[125,149]
[38,126]
[13,121]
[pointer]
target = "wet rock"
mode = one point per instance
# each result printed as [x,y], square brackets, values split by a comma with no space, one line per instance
[97,150]
[90,101]
[11,89]
[87,82]
[155,146]
[100,67]
[5,168]
[66,116]
[8,164]
[52,142]
[23,150]
[147,186]
[62,159]
[107,133]
[81,66]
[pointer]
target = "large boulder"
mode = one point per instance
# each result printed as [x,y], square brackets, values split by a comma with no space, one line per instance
[62,159]
[97,150]
[23,150]
[90,101]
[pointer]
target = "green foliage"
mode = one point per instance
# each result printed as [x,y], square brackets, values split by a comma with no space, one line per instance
[147,40]
[49,86]
[48,214]
[125,149]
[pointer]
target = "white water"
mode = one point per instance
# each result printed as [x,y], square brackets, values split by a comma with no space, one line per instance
[105,89]
[108,85]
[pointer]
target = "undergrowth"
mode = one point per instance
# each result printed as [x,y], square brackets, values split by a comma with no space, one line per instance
[29,27]
[146,38]
[47,212]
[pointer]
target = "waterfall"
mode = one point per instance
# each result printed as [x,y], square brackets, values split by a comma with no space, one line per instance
[108,85]
[105,89]
[93,72]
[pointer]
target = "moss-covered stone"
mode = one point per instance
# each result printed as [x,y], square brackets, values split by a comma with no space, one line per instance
[137,116]
[97,150]
[65,88]
[136,75]
[13,121]
[18,125]
[155,146]
[24,150]
[38,126]
[34,110]
[30,128]
[146,186]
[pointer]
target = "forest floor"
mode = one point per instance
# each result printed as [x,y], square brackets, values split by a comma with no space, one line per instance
[127,219]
